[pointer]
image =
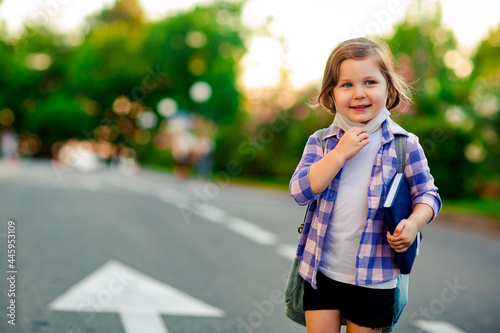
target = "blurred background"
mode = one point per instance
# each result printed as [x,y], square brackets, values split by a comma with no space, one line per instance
[130,131]
[190,86]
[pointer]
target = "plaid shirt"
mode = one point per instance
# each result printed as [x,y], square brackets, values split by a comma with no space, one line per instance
[375,260]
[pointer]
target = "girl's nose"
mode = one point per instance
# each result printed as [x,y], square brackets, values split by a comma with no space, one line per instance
[358,92]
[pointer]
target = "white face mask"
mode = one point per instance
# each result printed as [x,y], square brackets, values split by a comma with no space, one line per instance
[372,126]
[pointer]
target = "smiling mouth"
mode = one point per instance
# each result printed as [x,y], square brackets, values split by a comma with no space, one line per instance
[360,107]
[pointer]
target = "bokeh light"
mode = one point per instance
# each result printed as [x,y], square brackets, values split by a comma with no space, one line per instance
[147,120]
[167,107]
[121,106]
[200,91]
[197,66]
[455,115]
[142,136]
[196,39]
[6,117]
[38,61]
[475,152]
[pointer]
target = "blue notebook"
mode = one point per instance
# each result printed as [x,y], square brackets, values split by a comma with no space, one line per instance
[398,206]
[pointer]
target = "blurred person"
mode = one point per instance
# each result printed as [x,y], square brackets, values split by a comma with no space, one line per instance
[86,160]
[204,149]
[183,147]
[9,146]
[345,249]
[79,156]
[125,161]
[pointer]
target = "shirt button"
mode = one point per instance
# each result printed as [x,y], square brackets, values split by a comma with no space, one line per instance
[369,221]
[360,256]
[372,188]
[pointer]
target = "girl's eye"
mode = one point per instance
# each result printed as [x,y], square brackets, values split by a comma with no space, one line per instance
[370,82]
[347,85]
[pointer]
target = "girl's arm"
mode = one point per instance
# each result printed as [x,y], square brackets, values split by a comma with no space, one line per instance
[426,201]
[323,171]
[406,231]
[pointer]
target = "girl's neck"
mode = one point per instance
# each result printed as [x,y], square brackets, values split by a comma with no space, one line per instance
[372,126]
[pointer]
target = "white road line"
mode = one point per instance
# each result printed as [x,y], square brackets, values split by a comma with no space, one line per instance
[437,326]
[170,196]
[286,250]
[252,231]
[213,214]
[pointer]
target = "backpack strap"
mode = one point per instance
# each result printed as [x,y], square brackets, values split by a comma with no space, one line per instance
[323,143]
[401,152]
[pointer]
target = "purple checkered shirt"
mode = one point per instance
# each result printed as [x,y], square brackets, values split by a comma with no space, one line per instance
[375,261]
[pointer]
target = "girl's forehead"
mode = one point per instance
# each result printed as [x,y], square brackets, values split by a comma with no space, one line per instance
[366,66]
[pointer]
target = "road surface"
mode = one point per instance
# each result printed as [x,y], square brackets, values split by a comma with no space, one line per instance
[106,252]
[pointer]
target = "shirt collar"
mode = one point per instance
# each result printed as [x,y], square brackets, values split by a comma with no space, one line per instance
[389,129]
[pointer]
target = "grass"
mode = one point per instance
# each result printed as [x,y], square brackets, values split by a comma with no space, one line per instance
[483,207]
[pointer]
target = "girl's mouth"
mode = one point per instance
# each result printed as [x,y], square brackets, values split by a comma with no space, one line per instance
[360,107]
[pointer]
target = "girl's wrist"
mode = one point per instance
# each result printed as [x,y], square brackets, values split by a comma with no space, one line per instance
[338,156]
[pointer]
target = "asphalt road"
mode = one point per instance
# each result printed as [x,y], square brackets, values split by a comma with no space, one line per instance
[153,246]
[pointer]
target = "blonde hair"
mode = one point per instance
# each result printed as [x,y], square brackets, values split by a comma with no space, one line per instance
[360,49]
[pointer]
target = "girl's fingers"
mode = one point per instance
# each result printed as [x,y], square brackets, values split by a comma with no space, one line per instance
[358,130]
[400,249]
[398,243]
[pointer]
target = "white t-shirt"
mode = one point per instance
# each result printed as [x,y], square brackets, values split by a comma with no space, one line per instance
[343,235]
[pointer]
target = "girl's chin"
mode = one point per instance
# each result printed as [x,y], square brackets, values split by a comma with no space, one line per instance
[362,120]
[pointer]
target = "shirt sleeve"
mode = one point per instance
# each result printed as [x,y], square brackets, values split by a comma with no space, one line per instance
[300,188]
[423,189]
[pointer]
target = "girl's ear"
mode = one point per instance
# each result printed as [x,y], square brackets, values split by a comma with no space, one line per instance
[390,94]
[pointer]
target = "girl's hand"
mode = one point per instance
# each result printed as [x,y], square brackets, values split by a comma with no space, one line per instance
[352,142]
[404,235]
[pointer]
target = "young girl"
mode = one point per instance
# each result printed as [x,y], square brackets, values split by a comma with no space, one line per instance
[345,249]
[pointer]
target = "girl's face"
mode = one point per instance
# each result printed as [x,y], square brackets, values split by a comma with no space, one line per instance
[361,91]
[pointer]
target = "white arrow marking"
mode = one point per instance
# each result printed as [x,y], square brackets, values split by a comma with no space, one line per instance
[142,322]
[437,326]
[138,298]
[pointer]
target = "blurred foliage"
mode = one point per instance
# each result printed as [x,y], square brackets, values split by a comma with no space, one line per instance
[56,88]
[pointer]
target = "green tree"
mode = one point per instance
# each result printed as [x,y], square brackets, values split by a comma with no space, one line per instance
[484,104]
[48,82]
[429,56]
[204,44]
